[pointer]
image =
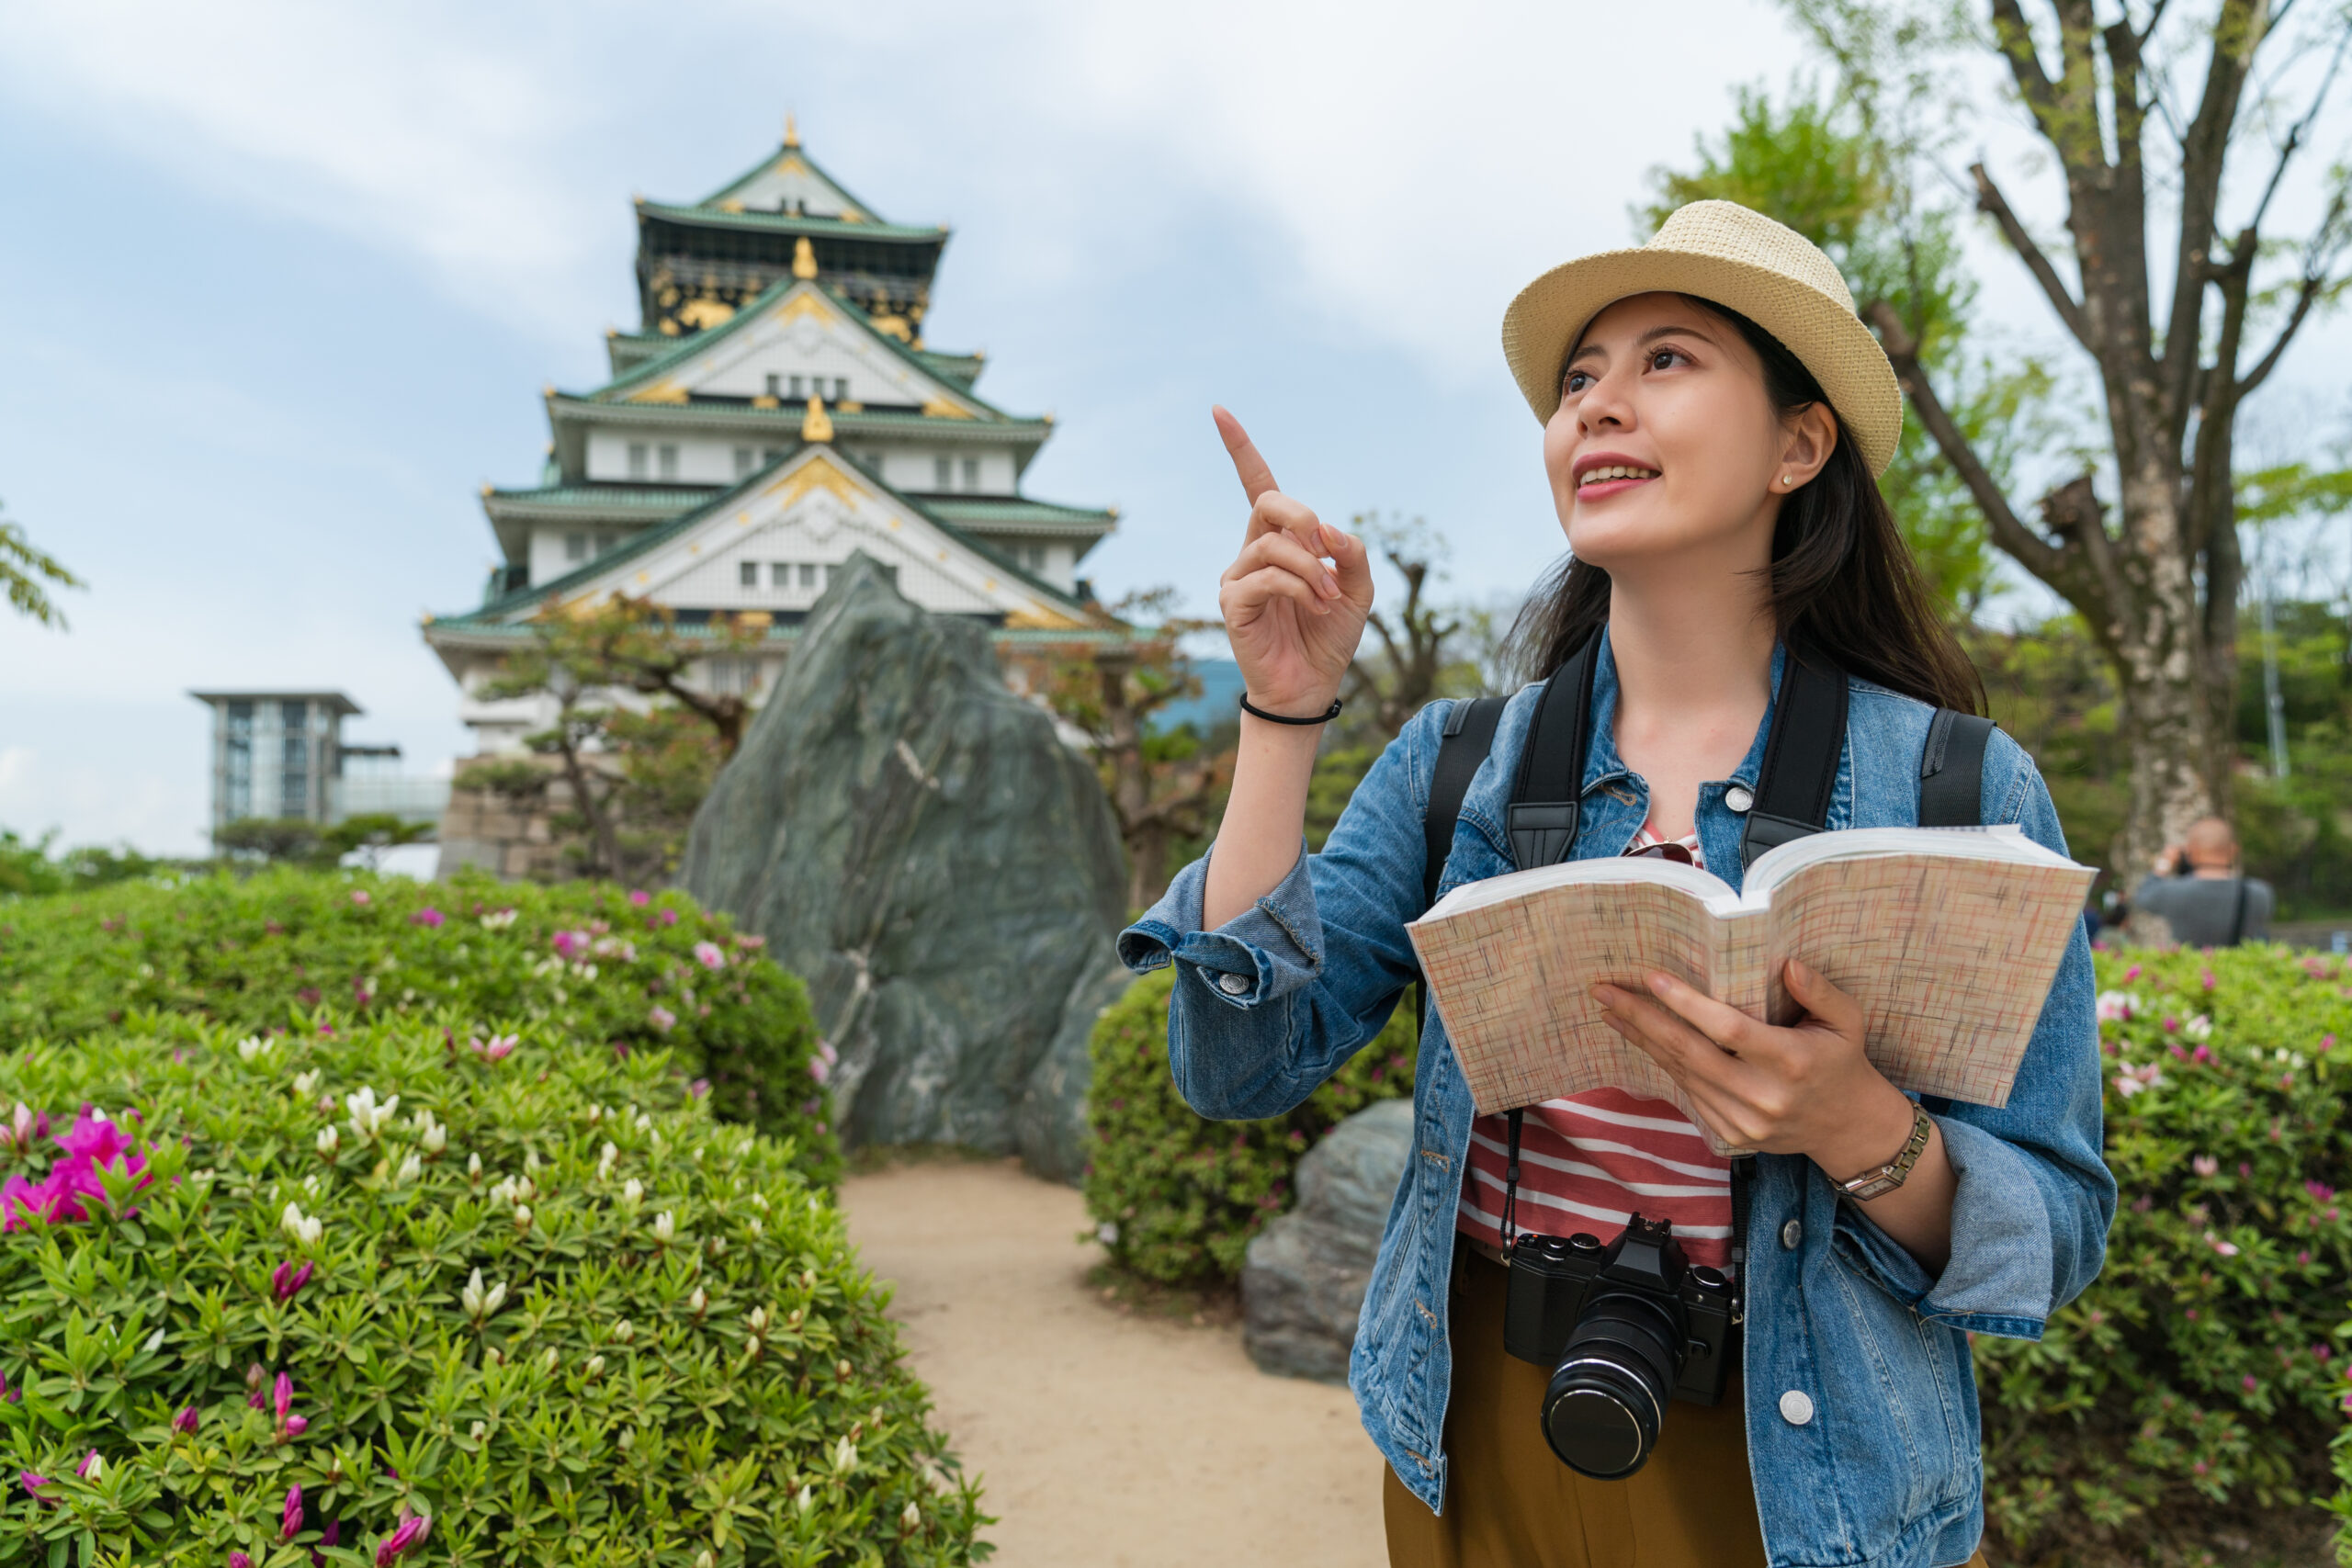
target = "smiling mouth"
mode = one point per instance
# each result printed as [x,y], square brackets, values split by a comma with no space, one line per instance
[1613,474]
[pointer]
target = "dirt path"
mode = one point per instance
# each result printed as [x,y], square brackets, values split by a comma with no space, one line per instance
[1104,1440]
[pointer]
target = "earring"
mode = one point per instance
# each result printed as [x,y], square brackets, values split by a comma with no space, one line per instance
[1786,481]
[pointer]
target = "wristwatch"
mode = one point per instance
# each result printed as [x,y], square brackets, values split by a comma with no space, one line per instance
[1880,1181]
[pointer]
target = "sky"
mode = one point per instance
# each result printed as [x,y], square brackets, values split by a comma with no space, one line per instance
[281,284]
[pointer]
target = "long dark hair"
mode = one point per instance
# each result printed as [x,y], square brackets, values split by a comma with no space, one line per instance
[1844,587]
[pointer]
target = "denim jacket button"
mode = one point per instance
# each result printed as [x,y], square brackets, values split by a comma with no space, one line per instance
[1233,984]
[1738,798]
[1797,1407]
[1791,1235]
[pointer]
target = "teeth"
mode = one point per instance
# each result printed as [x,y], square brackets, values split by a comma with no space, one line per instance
[1615,471]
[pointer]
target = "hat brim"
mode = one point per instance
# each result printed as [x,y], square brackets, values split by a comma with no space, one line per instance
[1544,322]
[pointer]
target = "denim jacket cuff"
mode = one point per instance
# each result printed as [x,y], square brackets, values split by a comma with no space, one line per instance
[1999,1280]
[1266,951]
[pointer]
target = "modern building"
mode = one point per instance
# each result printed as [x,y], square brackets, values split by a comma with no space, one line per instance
[777,409]
[282,754]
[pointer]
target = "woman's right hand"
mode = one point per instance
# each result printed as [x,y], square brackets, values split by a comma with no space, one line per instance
[1292,621]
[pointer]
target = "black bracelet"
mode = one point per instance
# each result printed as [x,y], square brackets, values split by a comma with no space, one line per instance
[1325,716]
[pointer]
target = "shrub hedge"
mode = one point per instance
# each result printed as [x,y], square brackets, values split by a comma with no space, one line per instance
[287,949]
[1176,1197]
[299,1295]
[2183,1407]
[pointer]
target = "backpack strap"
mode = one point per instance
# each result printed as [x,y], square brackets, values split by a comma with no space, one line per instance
[1952,770]
[1800,760]
[1469,735]
[1548,796]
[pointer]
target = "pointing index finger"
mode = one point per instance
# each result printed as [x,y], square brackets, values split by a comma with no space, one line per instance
[1257,479]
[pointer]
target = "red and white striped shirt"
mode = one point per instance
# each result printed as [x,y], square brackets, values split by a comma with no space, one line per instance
[1591,1161]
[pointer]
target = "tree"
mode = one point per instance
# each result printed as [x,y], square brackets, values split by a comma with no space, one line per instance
[374,832]
[1398,682]
[273,839]
[24,568]
[1162,782]
[2154,573]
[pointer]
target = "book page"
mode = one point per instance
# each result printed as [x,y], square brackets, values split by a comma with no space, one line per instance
[1512,980]
[1950,955]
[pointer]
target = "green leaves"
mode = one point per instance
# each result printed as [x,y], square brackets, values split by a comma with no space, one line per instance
[541,1430]
[2191,1391]
[1177,1198]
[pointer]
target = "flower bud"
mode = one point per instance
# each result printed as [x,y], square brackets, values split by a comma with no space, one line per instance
[594,1366]
[910,1517]
[624,1331]
[752,1346]
[665,1227]
[473,1168]
[328,1141]
[480,1430]
[522,1216]
[434,1139]
[409,1170]
[632,1192]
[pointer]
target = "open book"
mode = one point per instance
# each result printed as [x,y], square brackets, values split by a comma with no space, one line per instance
[1949,937]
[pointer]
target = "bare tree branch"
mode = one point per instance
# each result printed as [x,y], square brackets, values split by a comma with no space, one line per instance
[1990,202]
[2296,132]
[2034,553]
[2305,297]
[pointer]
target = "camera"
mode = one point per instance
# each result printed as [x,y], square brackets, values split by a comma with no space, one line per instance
[1624,1327]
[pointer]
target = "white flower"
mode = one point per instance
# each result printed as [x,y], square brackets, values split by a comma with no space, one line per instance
[2199,1028]
[627,1438]
[95,1470]
[2115,1007]
[604,1158]
[624,1331]
[305,1084]
[804,1499]
[478,1303]
[522,1216]
[251,1047]
[703,1559]
[480,1430]
[698,1303]
[756,1320]
[328,1141]
[368,1117]
[473,1168]
[435,1138]
[632,1192]
[910,1517]
[154,1342]
[1107,1232]
[665,1226]
[752,1346]
[594,1366]
[844,1456]
[305,1229]
[760,1202]
[409,1170]
[755,1226]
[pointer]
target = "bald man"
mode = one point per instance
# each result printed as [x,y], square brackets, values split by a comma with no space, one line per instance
[2211,905]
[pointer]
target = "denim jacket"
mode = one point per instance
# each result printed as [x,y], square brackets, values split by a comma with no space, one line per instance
[1877,1463]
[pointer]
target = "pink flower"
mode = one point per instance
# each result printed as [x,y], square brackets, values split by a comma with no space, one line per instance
[2249,1382]
[257,1387]
[497,1048]
[289,1524]
[570,944]
[749,941]
[2203,1053]
[90,1462]
[2327,1042]
[669,916]
[2226,1248]
[2208,976]
[185,1420]
[95,1139]
[697,1089]
[412,1532]
[662,1018]
[2320,1190]
[290,1426]
[25,1127]
[22,1201]
[239,1560]
[34,1481]
[2131,974]
[639,897]
[710,955]
[428,916]
[2205,1165]
[286,1282]
[359,896]
[2172,1025]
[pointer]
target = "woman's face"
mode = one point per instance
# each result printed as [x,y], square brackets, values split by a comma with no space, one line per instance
[1666,451]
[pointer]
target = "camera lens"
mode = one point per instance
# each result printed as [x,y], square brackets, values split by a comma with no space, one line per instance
[1607,1399]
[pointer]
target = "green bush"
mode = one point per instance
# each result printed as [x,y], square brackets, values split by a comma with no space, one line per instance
[1177,1197]
[290,950]
[2182,1407]
[543,1298]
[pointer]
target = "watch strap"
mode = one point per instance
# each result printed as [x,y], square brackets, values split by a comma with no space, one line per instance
[1883,1179]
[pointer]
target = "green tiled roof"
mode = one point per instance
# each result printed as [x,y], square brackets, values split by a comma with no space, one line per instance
[784,150]
[1019,511]
[604,497]
[785,421]
[507,605]
[790,223]
[964,368]
[615,389]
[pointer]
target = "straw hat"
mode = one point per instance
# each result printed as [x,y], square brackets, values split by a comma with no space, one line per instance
[1722,251]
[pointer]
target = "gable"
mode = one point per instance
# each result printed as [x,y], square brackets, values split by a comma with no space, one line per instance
[815,511]
[804,331]
[789,183]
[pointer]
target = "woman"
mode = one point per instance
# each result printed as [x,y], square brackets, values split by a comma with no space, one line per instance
[1713,417]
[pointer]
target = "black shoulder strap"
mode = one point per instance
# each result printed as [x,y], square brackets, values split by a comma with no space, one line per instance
[1469,735]
[1799,759]
[1952,770]
[1549,792]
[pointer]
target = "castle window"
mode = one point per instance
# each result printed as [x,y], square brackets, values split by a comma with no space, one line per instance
[743,461]
[606,542]
[637,459]
[808,574]
[840,387]
[668,460]
[1033,557]
[747,574]
[795,386]
[971,473]
[943,474]
[575,547]
[776,385]
[770,454]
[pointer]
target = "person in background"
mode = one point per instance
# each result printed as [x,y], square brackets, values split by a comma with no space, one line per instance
[2196,891]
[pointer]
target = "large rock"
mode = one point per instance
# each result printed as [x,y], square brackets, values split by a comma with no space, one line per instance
[1304,1279]
[916,843]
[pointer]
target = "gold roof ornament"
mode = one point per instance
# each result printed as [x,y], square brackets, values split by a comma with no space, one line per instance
[816,424]
[804,259]
[791,131]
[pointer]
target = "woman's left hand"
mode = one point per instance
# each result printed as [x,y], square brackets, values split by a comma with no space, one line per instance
[1806,1089]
